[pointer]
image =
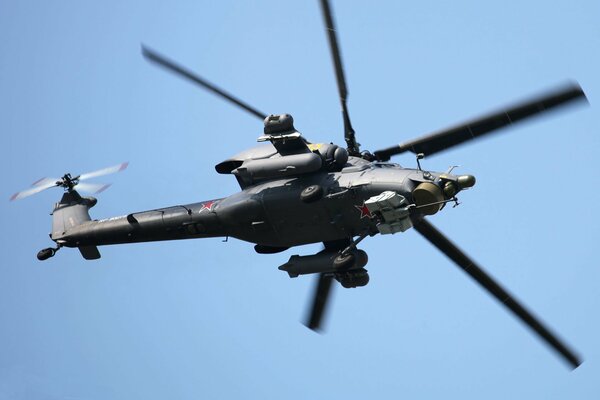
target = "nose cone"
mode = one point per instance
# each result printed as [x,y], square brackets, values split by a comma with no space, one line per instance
[466,181]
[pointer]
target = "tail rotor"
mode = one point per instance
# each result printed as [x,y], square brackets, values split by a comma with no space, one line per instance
[68,182]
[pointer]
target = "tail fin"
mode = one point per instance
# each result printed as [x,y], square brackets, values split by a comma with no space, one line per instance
[70,211]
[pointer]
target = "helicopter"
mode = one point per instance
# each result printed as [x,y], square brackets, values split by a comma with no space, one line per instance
[296,192]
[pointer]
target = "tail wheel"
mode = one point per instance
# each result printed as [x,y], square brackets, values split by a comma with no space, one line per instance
[45,254]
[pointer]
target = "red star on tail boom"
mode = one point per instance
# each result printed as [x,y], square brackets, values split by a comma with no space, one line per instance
[208,206]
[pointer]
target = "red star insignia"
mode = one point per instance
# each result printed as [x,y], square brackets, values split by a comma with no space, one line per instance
[208,206]
[364,211]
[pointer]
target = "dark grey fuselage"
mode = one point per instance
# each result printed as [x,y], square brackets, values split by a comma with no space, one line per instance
[269,213]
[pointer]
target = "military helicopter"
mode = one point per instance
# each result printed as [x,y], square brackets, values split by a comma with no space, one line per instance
[296,192]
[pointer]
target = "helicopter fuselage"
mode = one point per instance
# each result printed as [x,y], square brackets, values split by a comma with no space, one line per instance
[270,213]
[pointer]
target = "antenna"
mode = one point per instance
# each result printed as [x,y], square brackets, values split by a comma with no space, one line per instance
[420,156]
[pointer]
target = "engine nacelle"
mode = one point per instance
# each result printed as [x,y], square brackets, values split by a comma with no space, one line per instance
[278,167]
[334,157]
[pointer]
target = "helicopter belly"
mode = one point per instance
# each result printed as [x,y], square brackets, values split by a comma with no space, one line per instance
[293,221]
[296,222]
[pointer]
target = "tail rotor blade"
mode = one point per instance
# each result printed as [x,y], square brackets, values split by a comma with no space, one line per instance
[33,190]
[445,139]
[93,188]
[443,244]
[44,181]
[320,300]
[103,171]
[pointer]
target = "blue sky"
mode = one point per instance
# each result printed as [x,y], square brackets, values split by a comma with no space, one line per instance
[207,319]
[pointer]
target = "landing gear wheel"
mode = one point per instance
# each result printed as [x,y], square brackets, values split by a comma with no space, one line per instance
[354,279]
[342,262]
[311,193]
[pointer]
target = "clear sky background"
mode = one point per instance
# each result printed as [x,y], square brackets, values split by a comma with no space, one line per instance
[206,319]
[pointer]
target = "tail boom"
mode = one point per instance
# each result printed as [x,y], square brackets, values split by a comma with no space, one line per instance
[72,226]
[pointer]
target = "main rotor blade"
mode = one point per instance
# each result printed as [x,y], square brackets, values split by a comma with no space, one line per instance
[103,171]
[445,139]
[353,147]
[179,70]
[320,298]
[36,189]
[480,276]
